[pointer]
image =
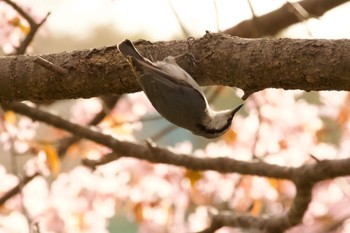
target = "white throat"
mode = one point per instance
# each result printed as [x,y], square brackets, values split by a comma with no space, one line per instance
[217,119]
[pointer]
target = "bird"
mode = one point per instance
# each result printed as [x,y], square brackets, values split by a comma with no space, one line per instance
[176,95]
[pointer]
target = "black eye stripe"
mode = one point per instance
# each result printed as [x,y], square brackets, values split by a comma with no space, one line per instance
[215,131]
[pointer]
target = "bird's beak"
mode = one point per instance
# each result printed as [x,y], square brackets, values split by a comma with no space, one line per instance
[234,111]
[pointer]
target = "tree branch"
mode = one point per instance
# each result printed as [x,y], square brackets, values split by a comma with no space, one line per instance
[296,64]
[65,143]
[33,26]
[12,192]
[273,22]
[304,177]
[250,64]
[316,172]
[157,155]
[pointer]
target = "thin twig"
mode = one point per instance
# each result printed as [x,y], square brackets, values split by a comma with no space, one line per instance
[163,132]
[21,12]
[255,29]
[108,102]
[301,14]
[15,190]
[92,164]
[216,9]
[185,32]
[33,26]
[30,36]
[141,119]
[50,66]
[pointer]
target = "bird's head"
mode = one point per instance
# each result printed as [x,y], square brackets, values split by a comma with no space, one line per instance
[217,123]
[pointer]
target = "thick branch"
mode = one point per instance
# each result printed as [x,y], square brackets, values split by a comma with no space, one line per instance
[250,64]
[275,21]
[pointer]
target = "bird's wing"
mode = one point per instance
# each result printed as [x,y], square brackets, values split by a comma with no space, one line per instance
[169,66]
[141,68]
[164,90]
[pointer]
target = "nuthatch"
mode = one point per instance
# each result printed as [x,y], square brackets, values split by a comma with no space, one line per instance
[176,95]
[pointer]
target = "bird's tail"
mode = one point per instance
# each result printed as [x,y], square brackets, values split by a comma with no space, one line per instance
[127,48]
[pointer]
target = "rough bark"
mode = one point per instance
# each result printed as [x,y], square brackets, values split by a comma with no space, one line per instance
[249,64]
